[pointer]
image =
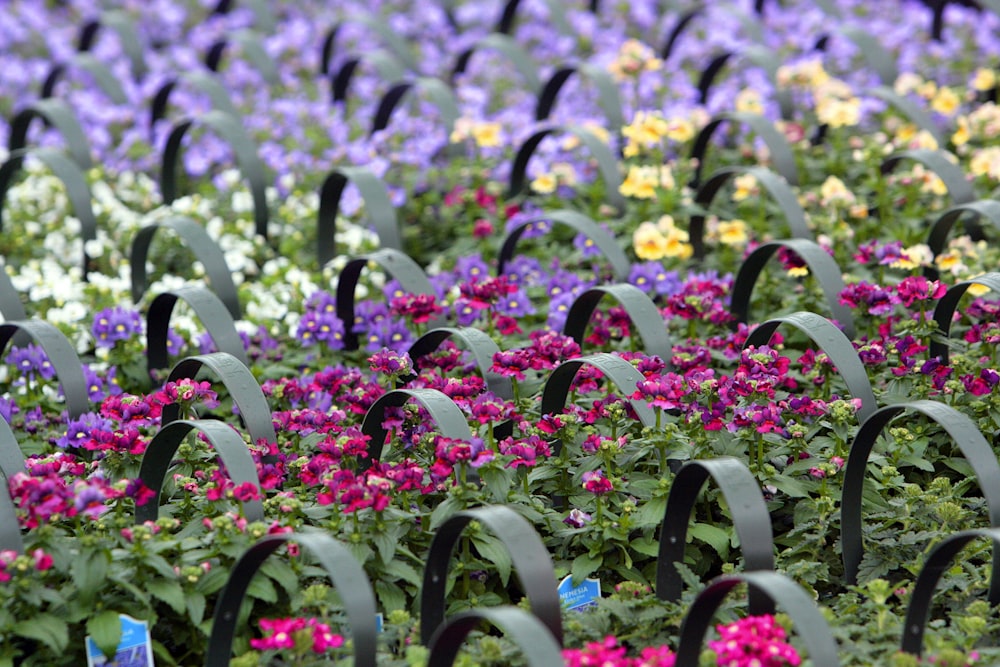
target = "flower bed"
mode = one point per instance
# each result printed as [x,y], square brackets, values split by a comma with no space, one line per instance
[251,227]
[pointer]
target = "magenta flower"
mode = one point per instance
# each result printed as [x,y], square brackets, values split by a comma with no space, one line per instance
[420,308]
[595,482]
[918,288]
[281,633]
[454,451]
[511,363]
[755,641]
[666,392]
[606,653]
[391,363]
[188,392]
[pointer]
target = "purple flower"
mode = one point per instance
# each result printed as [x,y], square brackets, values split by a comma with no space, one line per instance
[175,343]
[558,310]
[391,363]
[643,275]
[389,333]
[89,499]
[114,324]
[516,305]
[7,408]
[471,268]
[586,245]
[577,518]
[79,431]
[31,362]
[100,385]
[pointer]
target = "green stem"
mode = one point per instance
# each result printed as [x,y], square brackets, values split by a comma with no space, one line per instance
[466,557]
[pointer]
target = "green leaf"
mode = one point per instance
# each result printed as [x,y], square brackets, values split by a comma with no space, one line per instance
[280,572]
[196,607]
[650,513]
[390,595]
[213,580]
[715,537]
[400,570]
[106,630]
[960,465]
[160,565]
[386,545]
[792,488]
[169,591]
[646,546]
[163,655]
[47,629]
[498,482]
[261,588]
[444,510]
[495,551]
[90,574]
[583,566]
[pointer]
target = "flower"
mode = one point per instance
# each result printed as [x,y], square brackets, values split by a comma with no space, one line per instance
[595,482]
[754,641]
[281,633]
[390,363]
[577,518]
[31,362]
[114,324]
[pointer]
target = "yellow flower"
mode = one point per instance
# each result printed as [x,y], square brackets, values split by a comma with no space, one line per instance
[634,57]
[648,242]
[984,79]
[565,172]
[647,129]
[977,289]
[907,82]
[986,162]
[808,73]
[913,257]
[640,182]
[545,183]
[945,102]
[839,113]
[461,131]
[798,271]
[733,232]
[748,101]
[680,129]
[833,191]
[905,133]
[667,178]
[927,90]
[934,185]
[961,135]
[677,244]
[486,135]
[950,261]
[858,211]
[746,185]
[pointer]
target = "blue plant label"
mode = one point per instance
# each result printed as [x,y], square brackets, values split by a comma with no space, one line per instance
[379,621]
[579,597]
[134,650]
